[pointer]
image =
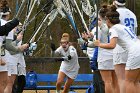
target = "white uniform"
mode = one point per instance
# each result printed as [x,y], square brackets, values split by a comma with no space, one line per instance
[11,59]
[90,51]
[105,56]
[71,67]
[129,42]
[2,68]
[21,63]
[128,19]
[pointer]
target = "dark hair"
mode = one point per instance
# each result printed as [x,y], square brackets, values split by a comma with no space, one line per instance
[4,6]
[3,3]
[113,15]
[103,10]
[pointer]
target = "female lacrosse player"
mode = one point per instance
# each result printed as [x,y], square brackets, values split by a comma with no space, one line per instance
[69,66]
[10,60]
[3,67]
[105,56]
[128,19]
[123,36]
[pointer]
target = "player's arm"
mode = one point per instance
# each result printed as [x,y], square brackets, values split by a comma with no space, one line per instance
[110,45]
[5,29]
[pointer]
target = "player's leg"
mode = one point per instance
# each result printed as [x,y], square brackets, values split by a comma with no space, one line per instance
[12,72]
[10,83]
[130,80]
[3,80]
[107,78]
[120,70]
[67,85]
[115,83]
[60,80]
[138,83]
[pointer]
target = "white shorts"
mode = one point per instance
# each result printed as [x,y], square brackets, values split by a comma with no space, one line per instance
[120,58]
[21,70]
[3,68]
[133,63]
[106,65]
[12,69]
[70,74]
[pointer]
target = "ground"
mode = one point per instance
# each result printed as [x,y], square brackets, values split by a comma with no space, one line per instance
[43,91]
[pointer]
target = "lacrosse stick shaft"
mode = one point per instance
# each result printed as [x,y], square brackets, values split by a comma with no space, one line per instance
[72,23]
[39,28]
[47,4]
[41,34]
[20,8]
[97,3]
[83,21]
[17,5]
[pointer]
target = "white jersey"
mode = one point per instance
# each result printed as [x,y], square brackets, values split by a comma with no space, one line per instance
[129,42]
[127,18]
[11,59]
[2,68]
[104,54]
[126,37]
[71,65]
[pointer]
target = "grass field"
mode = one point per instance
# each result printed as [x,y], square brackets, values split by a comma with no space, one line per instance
[52,91]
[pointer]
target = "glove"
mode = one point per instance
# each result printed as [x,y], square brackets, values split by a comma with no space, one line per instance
[83,47]
[64,58]
[69,57]
[59,59]
[53,47]
[33,46]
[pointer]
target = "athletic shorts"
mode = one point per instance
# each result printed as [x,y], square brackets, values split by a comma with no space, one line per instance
[3,68]
[106,65]
[133,63]
[21,70]
[70,74]
[120,58]
[12,69]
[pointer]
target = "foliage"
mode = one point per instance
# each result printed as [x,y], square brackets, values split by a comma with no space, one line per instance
[57,28]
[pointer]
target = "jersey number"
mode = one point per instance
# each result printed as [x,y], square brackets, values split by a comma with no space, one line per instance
[129,22]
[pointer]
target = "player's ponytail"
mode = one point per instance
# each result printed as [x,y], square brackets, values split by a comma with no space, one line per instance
[113,8]
[103,10]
